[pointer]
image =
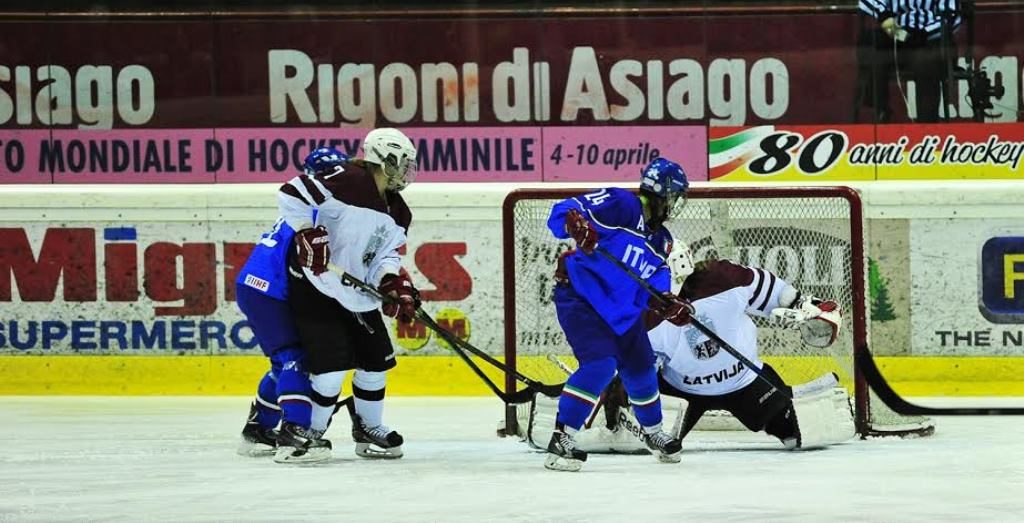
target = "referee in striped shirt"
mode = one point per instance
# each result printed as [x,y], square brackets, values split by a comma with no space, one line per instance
[915,28]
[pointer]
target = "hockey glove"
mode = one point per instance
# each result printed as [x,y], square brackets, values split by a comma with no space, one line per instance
[581,230]
[818,320]
[312,249]
[406,297]
[673,309]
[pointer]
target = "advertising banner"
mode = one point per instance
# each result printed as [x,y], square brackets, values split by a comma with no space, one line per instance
[446,154]
[866,152]
[968,296]
[214,73]
[167,288]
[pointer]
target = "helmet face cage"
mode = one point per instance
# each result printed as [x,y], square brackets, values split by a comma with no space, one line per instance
[399,171]
[395,153]
[665,179]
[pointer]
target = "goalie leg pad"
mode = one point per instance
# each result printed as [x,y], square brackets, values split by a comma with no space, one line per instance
[619,435]
[823,417]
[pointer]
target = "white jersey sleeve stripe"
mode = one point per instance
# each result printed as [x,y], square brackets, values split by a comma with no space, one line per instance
[315,189]
[759,280]
[767,293]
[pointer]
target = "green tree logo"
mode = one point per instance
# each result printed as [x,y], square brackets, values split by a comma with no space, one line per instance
[878,290]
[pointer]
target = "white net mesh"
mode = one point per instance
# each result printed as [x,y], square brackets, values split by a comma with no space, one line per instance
[806,240]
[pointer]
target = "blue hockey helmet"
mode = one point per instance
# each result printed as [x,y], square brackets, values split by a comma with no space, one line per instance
[666,180]
[325,160]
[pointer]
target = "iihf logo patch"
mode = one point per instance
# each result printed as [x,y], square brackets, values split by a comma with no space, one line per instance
[257,283]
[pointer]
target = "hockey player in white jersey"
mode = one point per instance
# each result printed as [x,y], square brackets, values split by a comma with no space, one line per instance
[361,223]
[725,296]
[694,368]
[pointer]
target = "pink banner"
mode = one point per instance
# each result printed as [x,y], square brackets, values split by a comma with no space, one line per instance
[448,154]
[584,154]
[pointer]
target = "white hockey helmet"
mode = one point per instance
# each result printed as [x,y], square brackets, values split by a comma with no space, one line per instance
[394,151]
[680,262]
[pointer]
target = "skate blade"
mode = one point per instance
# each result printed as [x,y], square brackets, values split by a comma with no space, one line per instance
[562,464]
[289,455]
[368,451]
[669,458]
[254,450]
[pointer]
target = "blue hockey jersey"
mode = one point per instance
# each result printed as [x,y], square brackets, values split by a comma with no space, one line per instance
[617,214]
[265,270]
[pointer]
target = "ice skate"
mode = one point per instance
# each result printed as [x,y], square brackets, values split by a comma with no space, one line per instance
[378,442]
[664,447]
[296,444]
[563,454]
[256,440]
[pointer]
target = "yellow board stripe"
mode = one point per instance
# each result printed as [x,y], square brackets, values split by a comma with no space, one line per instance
[419,375]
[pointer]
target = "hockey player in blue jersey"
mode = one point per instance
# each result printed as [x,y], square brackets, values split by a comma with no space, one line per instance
[261,291]
[601,310]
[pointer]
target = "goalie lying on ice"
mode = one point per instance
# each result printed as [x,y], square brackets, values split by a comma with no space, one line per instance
[703,377]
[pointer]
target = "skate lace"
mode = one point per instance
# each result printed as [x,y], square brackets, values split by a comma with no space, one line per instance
[307,433]
[566,441]
[660,438]
[379,432]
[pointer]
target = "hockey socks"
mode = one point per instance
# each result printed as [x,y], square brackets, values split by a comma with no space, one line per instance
[581,392]
[368,391]
[325,390]
[268,414]
[642,388]
[293,389]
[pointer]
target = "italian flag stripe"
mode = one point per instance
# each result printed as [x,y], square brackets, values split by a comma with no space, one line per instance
[645,401]
[579,394]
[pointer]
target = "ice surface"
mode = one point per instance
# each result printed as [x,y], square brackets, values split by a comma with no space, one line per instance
[173,459]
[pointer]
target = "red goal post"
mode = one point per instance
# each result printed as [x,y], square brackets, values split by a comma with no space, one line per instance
[811,236]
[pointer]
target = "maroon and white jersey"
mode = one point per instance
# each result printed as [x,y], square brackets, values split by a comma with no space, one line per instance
[724,295]
[365,230]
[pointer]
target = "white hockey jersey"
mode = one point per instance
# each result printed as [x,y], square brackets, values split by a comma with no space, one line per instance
[365,231]
[724,295]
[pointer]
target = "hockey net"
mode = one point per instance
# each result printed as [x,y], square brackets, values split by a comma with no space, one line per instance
[812,237]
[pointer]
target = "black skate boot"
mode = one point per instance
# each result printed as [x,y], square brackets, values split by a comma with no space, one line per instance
[664,446]
[378,442]
[256,440]
[562,452]
[296,444]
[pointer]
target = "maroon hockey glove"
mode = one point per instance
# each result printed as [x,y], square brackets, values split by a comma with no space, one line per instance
[581,230]
[407,298]
[675,310]
[312,249]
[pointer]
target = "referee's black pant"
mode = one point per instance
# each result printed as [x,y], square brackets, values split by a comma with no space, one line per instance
[918,58]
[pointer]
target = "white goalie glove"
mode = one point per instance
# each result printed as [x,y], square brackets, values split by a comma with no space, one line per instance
[818,320]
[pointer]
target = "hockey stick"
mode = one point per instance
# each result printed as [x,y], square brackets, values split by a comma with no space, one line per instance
[560,364]
[695,322]
[459,345]
[892,399]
